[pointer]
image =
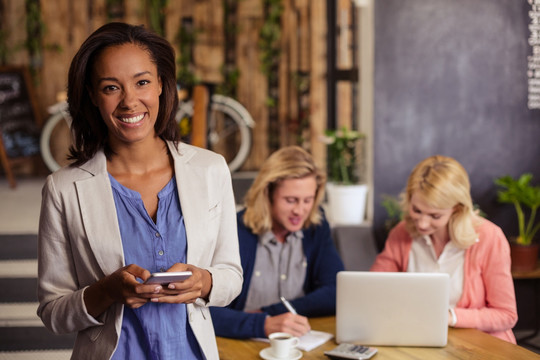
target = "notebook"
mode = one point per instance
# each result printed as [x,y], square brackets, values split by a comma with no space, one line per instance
[392,309]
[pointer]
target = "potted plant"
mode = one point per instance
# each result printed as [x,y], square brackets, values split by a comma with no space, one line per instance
[346,195]
[523,196]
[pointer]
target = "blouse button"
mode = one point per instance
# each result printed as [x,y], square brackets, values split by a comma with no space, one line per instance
[160,252]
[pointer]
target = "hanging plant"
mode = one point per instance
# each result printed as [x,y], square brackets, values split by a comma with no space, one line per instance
[34,37]
[229,70]
[270,51]
[269,38]
[301,82]
[231,74]
[156,15]
[185,39]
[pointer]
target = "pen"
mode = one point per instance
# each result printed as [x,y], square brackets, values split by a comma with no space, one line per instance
[288,305]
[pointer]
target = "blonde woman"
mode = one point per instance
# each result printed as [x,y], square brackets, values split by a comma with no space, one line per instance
[440,232]
[286,250]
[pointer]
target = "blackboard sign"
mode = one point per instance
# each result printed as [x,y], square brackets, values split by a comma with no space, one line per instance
[451,79]
[18,115]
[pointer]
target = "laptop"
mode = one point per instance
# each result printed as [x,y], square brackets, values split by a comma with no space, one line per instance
[392,309]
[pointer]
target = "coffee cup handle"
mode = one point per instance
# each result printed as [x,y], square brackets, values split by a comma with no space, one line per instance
[295,342]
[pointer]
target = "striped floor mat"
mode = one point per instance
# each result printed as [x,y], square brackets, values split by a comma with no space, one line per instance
[22,334]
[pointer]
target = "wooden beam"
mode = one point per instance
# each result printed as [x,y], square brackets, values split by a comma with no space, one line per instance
[252,83]
[344,60]
[200,112]
[318,95]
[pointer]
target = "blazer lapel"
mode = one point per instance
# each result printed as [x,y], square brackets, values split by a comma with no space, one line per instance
[99,216]
[192,184]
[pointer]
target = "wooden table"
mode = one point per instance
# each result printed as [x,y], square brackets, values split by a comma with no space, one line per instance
[462,344]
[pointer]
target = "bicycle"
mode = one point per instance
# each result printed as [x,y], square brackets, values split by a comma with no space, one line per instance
[228,130]
[229,127]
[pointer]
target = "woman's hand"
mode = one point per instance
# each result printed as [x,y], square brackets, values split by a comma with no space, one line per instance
[196,286]
[296,325]
[121,287]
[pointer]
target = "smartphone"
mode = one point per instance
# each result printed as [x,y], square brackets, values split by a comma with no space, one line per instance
[165,278]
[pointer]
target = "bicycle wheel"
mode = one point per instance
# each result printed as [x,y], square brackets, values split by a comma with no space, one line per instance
[228,128]
[55,139]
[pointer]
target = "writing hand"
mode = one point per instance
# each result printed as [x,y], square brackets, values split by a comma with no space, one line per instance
[296,325]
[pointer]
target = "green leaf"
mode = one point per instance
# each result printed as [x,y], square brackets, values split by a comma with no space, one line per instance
[521,193]
[342,152]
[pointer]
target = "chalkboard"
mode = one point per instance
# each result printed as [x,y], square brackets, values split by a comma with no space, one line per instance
[18,114]
[451,79]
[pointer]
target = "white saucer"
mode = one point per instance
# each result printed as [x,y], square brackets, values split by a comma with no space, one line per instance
[266,354]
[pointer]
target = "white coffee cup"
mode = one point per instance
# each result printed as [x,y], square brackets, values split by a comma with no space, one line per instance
[282,344]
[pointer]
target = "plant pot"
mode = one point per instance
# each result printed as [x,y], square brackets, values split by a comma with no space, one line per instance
[524,257]
[346,203]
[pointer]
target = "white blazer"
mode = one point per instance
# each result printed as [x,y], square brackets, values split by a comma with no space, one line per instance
[79,243]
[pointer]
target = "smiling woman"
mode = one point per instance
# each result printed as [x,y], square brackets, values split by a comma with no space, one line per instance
[117,213]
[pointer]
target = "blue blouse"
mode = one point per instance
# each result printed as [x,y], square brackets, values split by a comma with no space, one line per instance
[155,330]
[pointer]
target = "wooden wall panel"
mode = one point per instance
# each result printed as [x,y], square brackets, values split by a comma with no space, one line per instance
[97,15]
[68,23]
[209,51]
[175,12]
[288,65]
[78,22]
[58,51]
[172,22]
[134,12]
[302,9]
[13,20]
[252,84]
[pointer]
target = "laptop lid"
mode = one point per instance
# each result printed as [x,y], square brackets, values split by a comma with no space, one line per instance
[393,309]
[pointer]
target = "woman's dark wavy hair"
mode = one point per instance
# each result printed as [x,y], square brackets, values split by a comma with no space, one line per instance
[88,128]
